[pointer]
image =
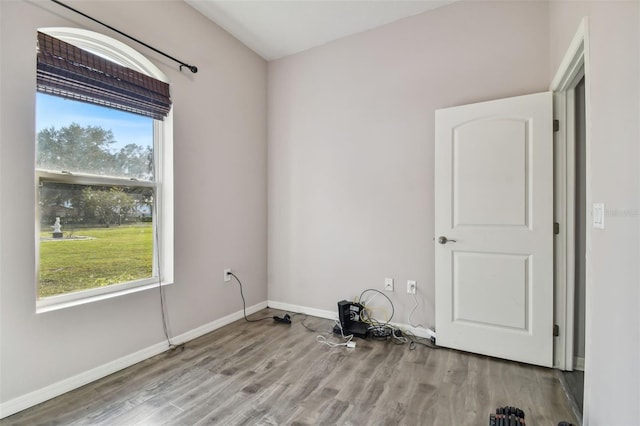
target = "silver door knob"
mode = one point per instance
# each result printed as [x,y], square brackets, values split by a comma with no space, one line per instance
[443,240]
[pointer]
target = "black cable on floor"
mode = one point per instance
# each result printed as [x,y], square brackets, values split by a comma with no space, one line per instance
[306,326]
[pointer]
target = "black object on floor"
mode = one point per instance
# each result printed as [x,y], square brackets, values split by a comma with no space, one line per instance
[507,416]
[349,314]
[286,319]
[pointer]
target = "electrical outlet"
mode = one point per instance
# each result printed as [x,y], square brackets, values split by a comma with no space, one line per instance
[227,275]
[388,284]
[411,286]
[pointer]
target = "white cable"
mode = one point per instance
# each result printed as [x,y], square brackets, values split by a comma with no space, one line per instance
[324,340]
[412,311]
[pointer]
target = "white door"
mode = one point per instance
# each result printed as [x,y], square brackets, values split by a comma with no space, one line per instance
[494,228]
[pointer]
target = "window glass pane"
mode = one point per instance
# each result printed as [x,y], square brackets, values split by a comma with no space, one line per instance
[79,137]
[93,236]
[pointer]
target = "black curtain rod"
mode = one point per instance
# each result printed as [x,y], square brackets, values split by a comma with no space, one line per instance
[192,68]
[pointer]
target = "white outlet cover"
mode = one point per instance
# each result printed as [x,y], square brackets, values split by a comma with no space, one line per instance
[388,284]
[411,286]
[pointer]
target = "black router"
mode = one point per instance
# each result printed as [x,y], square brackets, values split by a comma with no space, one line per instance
[349,314]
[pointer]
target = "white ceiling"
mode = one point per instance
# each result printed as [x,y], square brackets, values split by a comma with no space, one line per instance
[278,28]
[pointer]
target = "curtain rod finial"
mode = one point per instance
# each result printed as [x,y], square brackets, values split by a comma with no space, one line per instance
[192,68]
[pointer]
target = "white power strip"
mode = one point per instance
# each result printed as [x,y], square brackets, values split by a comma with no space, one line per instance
[431,333]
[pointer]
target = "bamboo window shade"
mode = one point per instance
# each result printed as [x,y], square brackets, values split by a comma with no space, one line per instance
[70,72]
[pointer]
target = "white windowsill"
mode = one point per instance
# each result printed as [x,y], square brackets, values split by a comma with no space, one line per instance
[49,304]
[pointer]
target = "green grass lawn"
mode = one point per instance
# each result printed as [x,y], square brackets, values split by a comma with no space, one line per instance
[113,255]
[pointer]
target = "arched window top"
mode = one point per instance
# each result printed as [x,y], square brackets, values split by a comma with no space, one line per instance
[108,48]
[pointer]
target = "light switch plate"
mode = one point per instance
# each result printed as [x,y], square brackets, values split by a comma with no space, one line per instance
[598,215]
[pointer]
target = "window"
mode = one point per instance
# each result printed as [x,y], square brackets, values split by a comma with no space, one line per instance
[103,169]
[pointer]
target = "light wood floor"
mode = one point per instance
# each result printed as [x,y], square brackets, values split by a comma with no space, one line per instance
[269,374]
[573,385]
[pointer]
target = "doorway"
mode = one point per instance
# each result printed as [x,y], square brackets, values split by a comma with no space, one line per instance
[574,380]
[572,195]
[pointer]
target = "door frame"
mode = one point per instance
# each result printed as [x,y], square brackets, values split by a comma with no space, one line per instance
[575,65]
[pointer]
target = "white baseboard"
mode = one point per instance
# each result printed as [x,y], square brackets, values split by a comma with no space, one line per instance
[214,325]
[30,399]
[578,363]
[320,313]
[418,331]
[22,402]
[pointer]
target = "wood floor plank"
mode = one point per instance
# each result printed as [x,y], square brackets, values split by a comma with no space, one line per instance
[264,373]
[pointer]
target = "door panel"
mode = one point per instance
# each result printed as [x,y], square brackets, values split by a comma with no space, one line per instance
[475,200]
[494,205]
[494,276]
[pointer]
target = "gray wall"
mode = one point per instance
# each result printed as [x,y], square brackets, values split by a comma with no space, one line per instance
[220,192]
[351,145]
[612,374]
[351,161]
[350,174]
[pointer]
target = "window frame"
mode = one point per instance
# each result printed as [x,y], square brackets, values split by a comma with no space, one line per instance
[163,227]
